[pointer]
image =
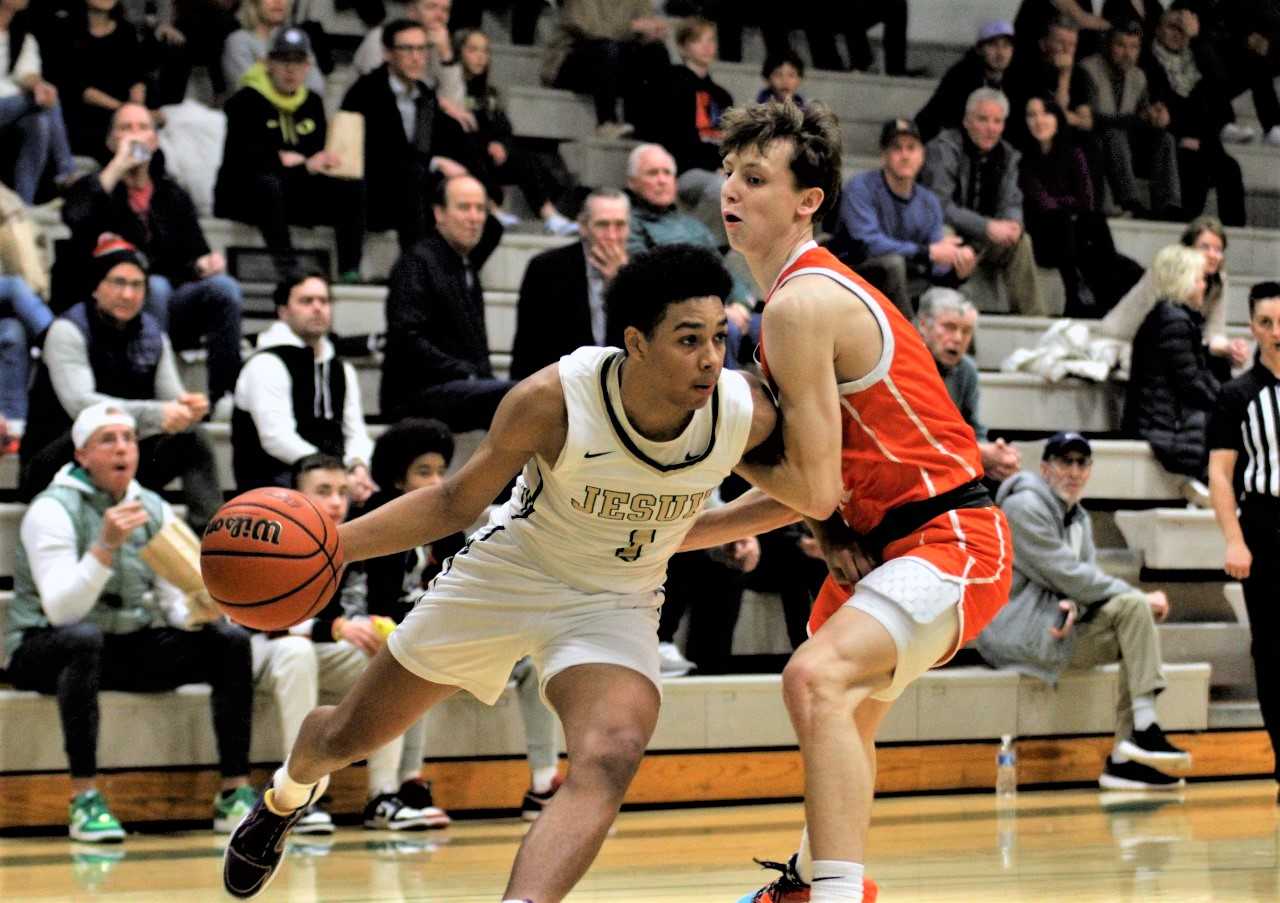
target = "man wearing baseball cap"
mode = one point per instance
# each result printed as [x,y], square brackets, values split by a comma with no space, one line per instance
[275,169]
[982,67]
[1065,612]
[891,228]
[107,348]
[89,614]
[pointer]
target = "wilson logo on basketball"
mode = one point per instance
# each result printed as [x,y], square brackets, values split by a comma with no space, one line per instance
[258,529]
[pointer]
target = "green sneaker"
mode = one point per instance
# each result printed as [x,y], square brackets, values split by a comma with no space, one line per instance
[92,821]
[230,808]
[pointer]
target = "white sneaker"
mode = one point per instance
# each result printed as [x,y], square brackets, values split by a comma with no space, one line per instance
[314,821]
[559,224]
[612,131]
[673,664]
[1197,494]
[507,219]
[1273,136]
[1238,134]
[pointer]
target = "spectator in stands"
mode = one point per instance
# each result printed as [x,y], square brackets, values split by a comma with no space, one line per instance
[188,291]
[1195,104]
[610,49]
[852,20]
[982,67]
[655,220]
[296,397]
[97,63]
[1206,235]
[775,21]
[409,142]
[975,174]
[1244,437]
[506,161]
[30,112]
[24,317]
[947,321]
[262,22]
[1131,128]
[691,111]
[1034,16]
[442,72]
[437,356]
[1240,44]
[1068,232]
[192,33]
[274,165]
[561,303]
[782,74]
[1067,613]
[108,348]
[1171,388]
[1053,70]
[708,584]
[88,614]
[1146,13]
[325,655]
[891,229]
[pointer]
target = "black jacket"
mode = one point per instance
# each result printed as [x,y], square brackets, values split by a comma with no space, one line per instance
[553,315]
[689,98]
[945,109]
[1171,389]
[435,327]
[170,235]
[256,134]
[390,157]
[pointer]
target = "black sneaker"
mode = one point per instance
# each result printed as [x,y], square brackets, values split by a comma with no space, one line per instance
[1151,747]
[416,793]
[257,847]
[534,803]
[387,812]
[1136,776]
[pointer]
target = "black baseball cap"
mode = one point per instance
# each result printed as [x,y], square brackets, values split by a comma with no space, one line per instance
[1061,443]
[290,44]
[895,127]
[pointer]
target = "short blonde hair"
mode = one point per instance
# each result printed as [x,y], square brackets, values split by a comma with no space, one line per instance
[1174,272]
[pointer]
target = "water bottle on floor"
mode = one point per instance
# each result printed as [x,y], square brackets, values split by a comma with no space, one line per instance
[1006,769]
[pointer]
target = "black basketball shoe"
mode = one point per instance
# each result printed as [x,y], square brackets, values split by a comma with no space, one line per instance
[257,846]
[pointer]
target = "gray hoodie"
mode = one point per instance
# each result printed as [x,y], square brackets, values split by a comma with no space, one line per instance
[1046,570]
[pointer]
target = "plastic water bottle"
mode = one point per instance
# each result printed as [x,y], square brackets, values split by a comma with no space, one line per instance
[1006,769]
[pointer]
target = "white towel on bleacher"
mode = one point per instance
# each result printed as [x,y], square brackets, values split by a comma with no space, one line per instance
[192,143]
[1066,349]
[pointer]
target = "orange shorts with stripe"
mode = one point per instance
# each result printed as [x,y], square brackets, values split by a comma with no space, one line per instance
[972,545]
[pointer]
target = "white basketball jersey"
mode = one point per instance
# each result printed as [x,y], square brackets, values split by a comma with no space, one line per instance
[615,507]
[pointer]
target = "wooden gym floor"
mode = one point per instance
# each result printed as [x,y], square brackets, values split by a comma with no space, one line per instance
[1213,841]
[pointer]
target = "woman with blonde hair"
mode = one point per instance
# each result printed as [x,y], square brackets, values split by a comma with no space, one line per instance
[260,20]
[1207,235]
[1171,389]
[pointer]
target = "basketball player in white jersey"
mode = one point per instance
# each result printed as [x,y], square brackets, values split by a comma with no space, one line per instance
[617,450]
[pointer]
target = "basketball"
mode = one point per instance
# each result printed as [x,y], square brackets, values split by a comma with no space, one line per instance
[270,558]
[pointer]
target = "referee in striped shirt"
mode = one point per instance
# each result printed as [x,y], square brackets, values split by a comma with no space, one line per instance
[1244,470]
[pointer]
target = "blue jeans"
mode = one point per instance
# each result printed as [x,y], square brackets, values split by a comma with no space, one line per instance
[42,139]
[206,308]
[23,318]
[734,349]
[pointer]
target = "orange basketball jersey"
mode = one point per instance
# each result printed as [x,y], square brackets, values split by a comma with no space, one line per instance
[905,441]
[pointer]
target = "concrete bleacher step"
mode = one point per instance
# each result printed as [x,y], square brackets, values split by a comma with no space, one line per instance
[1174,538]
[361,309]
[1123,469]
[739,711]
[1225,646]
[1022,401]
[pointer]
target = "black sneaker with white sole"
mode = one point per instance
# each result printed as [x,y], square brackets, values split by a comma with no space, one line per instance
[257,845]
[1152,747]
[1136,776]
[387,812]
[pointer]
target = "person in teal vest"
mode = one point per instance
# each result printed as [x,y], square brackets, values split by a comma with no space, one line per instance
[88,615]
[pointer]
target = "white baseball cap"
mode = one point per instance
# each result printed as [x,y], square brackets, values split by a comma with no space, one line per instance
[95,417]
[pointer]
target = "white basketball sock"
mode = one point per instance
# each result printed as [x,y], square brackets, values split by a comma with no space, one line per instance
[543,778]
[804,858]
[836,882]
[286,793]
[1144,711]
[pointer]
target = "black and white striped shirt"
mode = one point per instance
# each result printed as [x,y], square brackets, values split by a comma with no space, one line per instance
[1247,421]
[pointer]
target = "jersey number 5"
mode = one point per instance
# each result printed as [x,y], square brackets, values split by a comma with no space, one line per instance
[639,539]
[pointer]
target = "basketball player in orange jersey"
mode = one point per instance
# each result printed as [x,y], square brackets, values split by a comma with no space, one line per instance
[880,462]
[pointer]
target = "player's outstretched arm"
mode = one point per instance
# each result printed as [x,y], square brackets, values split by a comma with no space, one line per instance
[801,356]
[530,421]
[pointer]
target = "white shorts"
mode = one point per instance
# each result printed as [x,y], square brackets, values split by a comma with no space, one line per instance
[492,606]
[919,606]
